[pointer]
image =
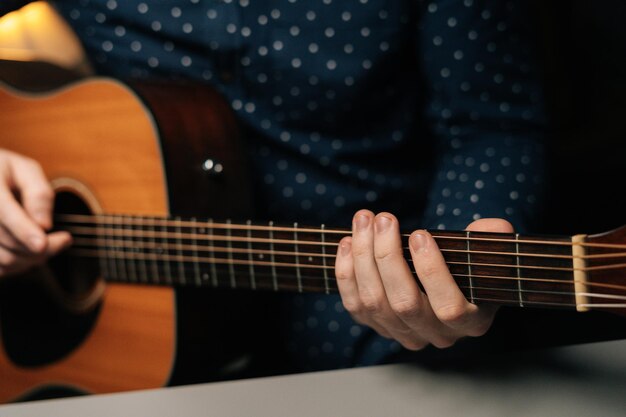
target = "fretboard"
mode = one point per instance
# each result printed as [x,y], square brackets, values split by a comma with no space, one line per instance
[508,269]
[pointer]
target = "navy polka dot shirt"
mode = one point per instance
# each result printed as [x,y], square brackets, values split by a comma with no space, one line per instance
[429,110]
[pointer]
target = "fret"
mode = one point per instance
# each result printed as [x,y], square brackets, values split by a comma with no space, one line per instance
[271,235]
[130,255]
[142,252]
[156,275]
[210,233]
[167,267]
[231,267]
[123,259]
[119,260]
[486,259]
[102,249]
[519,275]
[259,242]
[562,278]
[182,279]
[297,255]
[196,260]
[502,264]
[205,273]
[238,255]
[110,248]
[250,256]
[323,240]
[204,277]
[469,269]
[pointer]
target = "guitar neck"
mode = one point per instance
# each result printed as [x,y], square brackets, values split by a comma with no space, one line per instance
[510,269]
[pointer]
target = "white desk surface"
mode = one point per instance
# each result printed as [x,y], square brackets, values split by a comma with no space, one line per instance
[586,380]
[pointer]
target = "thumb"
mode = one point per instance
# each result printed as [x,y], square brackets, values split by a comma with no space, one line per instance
[490,225]
[57,242]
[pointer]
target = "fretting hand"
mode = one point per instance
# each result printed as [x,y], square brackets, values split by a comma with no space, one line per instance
[379,290]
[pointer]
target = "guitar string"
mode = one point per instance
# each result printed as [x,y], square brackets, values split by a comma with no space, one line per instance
[245,262]
[320,287]
[220,238]
[461,251]
[562,269]
[134,243]
[133,233]
[165,222]
[294,287]
[212,249]
[321,280]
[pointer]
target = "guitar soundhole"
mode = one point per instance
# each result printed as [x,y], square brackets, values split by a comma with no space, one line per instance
[76,275]
[43,315]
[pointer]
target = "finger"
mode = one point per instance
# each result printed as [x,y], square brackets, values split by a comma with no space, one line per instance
[58,242]
[9,242]
[19,224]
[36,194]
[370,287]
[405,297]
[347,285]
[346,281]
[447,301]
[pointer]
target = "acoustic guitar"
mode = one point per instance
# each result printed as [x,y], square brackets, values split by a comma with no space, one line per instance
[131,168]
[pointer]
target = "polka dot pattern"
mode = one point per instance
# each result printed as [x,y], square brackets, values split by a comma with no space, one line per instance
[429,110]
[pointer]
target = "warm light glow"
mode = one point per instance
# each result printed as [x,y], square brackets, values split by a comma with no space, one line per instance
[37,32]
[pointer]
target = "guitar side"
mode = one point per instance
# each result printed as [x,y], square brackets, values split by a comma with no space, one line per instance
[97,139]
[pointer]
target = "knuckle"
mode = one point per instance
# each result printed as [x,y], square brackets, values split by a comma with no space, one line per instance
[452,314]
[406,309]
[360,251]
[413,344]
[29,163]
[383,254]
[479,329]
[43,193]
[342,273]
[10,216]
[352,306]
[372,304]
[444,342]
[427,270]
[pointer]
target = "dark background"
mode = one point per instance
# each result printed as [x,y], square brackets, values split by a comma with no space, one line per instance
[583,46]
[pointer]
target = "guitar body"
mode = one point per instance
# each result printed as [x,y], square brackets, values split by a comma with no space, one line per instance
[118,150]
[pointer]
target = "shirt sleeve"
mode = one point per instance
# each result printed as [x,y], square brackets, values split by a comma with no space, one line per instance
[7,6]
[485,110]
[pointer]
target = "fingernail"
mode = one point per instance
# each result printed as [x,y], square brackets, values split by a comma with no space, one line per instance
[382,223]
[418,242]
[361,221]
[344,248]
